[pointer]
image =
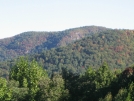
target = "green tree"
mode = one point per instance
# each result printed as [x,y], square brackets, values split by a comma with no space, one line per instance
[27,74]
[52,89]
[122,95]
[19,72]
[95,83]
[5,92]
[18,94]
[108,97]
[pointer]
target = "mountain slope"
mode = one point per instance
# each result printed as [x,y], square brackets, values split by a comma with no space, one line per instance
[116,47]
[36,42]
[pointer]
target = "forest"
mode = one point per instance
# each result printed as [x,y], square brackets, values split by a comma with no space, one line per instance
[35,42]
[112,46]
[115,47]
[28,81]
[80,64]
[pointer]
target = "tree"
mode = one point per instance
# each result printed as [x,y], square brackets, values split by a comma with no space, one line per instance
[108,97]
[5,92]
[18,94]
[52,89]
[27,74]
[122,95]
[19,72]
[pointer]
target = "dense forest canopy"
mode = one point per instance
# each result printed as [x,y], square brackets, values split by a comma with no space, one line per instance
[36,42]
[65,49]
[81,64]
[113,46]
[30,82]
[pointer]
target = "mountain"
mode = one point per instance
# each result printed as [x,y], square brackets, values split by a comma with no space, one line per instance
[76,52]
[67,58]
[115,47]
[36,42]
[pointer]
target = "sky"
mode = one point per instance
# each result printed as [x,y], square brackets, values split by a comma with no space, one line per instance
[17,16]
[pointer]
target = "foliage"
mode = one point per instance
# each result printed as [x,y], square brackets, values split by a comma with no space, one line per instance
[29,82]
[110,46]
[95,83]
[36,42]
[76,49]
[52,89]
[28,75]
[5,92]
[77,72]
[100,85]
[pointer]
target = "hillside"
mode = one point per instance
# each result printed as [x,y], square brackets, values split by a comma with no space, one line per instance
[116,47]
[36,42]
[110,45]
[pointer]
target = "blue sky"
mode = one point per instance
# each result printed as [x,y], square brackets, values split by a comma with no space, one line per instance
[17,16]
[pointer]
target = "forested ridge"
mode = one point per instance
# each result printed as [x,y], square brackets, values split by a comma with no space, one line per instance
[112,46]
[36,42]
[82,64]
